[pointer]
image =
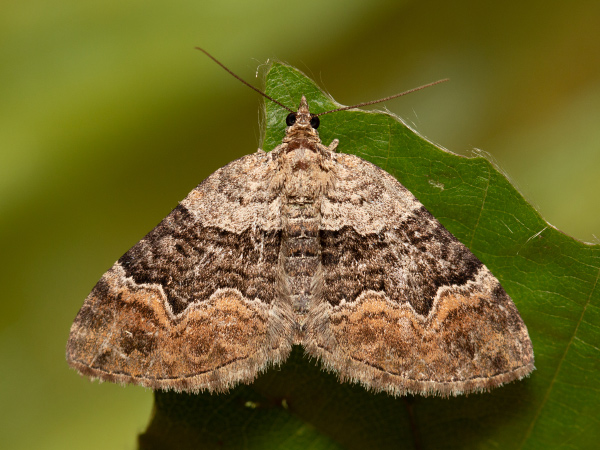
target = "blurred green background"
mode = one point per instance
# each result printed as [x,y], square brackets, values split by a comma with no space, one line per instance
[109,117]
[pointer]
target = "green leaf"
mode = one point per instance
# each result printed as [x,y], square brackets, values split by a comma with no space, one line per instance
[552,278]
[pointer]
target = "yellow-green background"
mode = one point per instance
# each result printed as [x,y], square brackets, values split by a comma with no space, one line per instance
[108,117]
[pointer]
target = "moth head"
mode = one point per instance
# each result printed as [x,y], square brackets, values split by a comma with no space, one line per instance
[302,118]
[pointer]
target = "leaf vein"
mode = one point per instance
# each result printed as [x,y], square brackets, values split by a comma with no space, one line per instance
[558,368]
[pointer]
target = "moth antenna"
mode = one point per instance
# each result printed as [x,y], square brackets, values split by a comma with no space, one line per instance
[243,81]
[372,102]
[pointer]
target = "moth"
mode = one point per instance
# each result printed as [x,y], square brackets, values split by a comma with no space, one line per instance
[301,246]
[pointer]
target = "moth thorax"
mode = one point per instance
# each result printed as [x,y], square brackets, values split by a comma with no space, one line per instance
[304,174]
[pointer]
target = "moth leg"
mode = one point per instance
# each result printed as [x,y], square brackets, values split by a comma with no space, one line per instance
[333,146]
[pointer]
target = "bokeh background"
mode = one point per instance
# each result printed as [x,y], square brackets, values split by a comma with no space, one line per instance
[109,117]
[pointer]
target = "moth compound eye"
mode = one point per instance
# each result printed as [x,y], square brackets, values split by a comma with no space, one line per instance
[290,119]
[315,122]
